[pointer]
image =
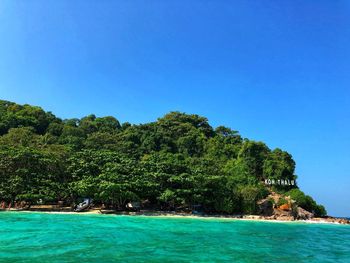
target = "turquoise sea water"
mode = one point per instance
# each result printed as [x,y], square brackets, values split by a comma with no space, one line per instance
[40,237]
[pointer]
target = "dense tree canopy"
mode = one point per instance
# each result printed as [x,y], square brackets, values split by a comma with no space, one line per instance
[173,163]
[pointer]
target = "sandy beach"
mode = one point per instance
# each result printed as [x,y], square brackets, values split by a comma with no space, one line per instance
[160,214]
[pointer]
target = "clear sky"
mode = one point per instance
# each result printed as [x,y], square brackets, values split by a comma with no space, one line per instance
[277,71]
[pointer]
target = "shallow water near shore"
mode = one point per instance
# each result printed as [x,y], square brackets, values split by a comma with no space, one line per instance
[43,237]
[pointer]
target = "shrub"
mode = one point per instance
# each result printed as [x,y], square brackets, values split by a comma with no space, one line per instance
[306,202]
[282,201]
[250,195]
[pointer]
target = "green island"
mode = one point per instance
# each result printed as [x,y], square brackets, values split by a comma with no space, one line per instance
[178,163]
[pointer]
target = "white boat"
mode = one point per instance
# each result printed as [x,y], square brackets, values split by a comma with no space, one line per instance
[83,205]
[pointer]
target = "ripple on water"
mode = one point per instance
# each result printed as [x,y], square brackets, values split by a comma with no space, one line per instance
[39,237]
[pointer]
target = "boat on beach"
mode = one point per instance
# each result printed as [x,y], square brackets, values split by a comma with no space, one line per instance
[85,205]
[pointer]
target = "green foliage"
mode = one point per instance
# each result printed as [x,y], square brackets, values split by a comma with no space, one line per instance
[250,194]
[173,163]
[251,158]
[306,202]
[23,136]
[320,210]
[14,116]
[282,201]
[279,165]
[27,171]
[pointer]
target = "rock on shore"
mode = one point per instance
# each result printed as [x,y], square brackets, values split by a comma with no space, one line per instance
[289,211]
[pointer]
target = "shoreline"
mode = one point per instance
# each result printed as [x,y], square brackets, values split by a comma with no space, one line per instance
[160,214]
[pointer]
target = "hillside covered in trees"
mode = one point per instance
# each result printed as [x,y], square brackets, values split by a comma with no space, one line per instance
[173,163]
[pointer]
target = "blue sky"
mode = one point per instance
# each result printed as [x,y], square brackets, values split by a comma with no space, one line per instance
[277,71]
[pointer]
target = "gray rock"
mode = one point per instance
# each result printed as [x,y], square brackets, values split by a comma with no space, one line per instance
[265,207]
[302,214]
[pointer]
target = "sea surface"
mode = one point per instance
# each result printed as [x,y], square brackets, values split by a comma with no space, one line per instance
[43,237]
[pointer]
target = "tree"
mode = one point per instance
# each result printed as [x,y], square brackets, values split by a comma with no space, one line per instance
[23,136]
[72,136]
[306,202]
[173,163]
[225,145]
[252,156]
[101,141]
[250,194]
[26,172]
[279,165]
[15,116]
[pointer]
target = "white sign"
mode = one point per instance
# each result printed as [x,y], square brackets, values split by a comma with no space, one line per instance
[284,182]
